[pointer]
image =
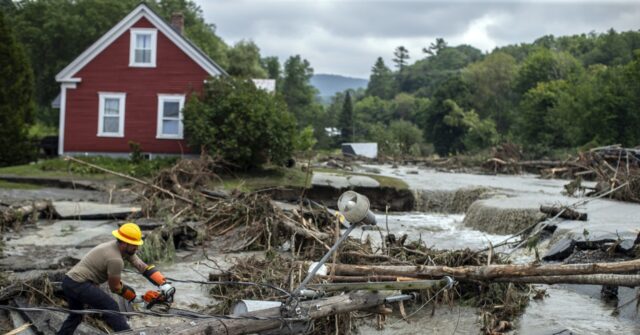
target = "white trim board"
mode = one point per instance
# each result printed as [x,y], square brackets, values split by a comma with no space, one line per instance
[66,75]
[63,108]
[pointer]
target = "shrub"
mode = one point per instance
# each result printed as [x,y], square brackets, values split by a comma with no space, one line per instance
[244,125]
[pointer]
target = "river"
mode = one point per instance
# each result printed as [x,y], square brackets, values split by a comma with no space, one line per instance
[567,309]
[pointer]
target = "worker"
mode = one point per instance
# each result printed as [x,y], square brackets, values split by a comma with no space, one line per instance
[104,263]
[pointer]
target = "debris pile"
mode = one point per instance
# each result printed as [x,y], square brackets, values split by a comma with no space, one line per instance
[615,167]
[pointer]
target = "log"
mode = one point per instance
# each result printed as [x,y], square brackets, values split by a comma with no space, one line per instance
[597,279]
[485,272]
[360,279]
[317,308]
[11,215]
[291,225]
[378,286]
[565,213]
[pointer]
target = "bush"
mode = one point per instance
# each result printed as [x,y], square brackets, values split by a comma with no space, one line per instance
[242,124]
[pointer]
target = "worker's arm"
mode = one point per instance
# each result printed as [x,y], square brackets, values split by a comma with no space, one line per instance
[138,263]
[116,286]
[150,272]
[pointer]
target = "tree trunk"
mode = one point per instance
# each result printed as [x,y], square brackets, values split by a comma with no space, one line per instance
[597,279]
[567,213]
[378,286]
[485,272]
[19,214]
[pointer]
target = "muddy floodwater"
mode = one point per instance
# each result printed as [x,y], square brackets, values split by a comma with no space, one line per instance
[567,309]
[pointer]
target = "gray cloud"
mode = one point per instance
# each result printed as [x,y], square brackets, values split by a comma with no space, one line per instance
[345,37]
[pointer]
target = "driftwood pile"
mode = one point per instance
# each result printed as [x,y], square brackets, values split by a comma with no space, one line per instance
[610,166]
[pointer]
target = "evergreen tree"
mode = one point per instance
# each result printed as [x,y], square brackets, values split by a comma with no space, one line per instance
[16,98]
[435,48]
[401,57]
[346,119]
[381,81]
[298,91]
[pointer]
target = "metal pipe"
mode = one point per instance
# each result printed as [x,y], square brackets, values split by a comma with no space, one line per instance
[324,259]
[401,297]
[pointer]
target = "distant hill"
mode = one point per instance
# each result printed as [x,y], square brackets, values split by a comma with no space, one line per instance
[330,84]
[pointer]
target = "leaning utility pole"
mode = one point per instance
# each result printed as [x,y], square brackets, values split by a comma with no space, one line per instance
[311,309]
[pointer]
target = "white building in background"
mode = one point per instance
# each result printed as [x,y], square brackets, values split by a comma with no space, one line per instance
[369,150]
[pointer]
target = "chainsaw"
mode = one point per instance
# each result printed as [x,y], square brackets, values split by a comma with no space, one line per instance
[162,298]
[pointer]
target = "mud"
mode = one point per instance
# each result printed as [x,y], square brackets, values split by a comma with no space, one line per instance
[449,201]
[481,215]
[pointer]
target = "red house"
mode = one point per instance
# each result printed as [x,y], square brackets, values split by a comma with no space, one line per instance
[131,85]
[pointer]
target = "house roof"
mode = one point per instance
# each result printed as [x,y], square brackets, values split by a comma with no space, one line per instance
[197,55]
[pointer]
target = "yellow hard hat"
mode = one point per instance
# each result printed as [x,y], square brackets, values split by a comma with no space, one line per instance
[129,233]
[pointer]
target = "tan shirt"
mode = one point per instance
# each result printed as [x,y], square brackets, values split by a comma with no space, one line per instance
[101,262]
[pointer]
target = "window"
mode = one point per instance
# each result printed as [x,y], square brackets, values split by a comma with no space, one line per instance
[143,47]
[111,114]
[170,116]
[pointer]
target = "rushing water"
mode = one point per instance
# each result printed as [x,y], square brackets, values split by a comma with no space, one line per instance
[567,309]
[438,231]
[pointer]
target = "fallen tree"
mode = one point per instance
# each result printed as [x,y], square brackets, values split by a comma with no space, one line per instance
[14,215]
[484,273]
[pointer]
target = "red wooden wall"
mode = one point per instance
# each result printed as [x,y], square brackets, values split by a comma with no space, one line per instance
[175,73]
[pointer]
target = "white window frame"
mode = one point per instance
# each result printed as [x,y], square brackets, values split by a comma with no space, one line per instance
[132,46]
[121,109]
[170,97]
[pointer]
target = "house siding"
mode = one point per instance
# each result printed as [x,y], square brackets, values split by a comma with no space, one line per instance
[175,73]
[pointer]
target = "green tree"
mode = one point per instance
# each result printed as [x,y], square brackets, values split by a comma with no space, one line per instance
[543,121]
[478,134]
[372,109]
[434,48]
[545,65]
[491,82]
[245,56]
[347,124]
[16,98]
[381,82]
[298,91]
[426,75]
[272,65]
[196,29]
[446,138]
[407,136]
[246,126]
[401,57]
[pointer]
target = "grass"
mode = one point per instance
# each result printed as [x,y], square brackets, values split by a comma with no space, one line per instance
[383,180]
[59,168]
[266,177]
[18,186]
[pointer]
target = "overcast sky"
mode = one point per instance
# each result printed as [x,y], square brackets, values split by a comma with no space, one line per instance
[345,37]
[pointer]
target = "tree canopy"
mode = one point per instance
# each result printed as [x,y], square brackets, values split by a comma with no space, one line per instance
[16,98]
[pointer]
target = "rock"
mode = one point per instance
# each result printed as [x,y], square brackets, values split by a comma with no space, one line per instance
[77,210]
[561,250]
[372,170]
